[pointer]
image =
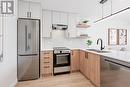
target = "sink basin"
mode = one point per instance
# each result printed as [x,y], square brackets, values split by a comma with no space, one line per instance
[99,51]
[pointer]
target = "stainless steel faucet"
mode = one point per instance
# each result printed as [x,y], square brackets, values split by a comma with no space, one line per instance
[101,48]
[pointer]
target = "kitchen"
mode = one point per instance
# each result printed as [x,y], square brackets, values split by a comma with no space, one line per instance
[71,41]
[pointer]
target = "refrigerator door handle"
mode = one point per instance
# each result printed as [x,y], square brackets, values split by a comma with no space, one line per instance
[25,37]
[28,55]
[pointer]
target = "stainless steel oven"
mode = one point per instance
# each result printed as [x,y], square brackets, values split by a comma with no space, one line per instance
[61,61]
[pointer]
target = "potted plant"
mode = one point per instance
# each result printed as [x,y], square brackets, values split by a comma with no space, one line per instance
[85,21]
[89,43]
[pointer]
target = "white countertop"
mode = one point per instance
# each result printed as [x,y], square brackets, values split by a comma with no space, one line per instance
[119,55]
[47,49]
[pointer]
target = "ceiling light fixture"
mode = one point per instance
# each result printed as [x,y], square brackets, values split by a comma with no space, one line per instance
[103,1]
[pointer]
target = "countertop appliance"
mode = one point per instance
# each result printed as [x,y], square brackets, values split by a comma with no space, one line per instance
[28,49]
[61,60]
[114,73]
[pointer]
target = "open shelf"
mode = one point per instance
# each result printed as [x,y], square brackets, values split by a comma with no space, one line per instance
[82,26]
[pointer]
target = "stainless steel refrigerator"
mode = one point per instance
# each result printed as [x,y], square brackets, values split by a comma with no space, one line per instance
[28,49]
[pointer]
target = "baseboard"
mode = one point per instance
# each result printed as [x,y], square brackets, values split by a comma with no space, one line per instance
[14,83]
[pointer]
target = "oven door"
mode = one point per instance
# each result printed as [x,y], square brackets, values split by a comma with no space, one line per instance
[61,60]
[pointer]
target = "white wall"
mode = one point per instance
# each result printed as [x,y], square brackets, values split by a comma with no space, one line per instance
[100,30]
[8,68]
[59,40]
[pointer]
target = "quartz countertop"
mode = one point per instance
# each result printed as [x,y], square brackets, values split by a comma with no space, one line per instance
[47,49]
[119,55]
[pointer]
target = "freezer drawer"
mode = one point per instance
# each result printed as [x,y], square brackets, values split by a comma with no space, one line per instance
[28,67]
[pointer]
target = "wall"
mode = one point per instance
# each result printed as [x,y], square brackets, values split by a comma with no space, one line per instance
[98,30]
[60,40]
[8,68]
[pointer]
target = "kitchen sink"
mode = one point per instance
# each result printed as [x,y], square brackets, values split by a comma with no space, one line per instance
[99,51]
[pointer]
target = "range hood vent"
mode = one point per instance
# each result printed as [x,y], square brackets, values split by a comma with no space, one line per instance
[59,27]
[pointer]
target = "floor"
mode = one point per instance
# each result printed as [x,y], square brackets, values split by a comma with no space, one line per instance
[66,80]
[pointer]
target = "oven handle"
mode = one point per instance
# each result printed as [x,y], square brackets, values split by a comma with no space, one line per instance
[62,55]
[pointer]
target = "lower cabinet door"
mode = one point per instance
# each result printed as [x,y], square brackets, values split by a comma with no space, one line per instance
[94,69]
[82,57]
[75,60]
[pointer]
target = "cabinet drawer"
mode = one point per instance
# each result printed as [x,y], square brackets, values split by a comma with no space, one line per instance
[46,53]
[46,57]
[47,70]
[46,60]
[46,65]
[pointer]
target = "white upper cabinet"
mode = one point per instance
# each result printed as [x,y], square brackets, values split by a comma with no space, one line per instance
[1,25]
[56,18]
[35,9]
[64,18]
[60,18]
[118,5]
[107,9]
[23,9]
[72,30]
[28,9]
[46,23]
[97,11]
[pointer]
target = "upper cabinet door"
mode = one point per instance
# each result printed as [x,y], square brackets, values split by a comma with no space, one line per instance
[56,18]
[97,11]
[35,9]
[46,23]
[1,25]
[23,9]
[28,9]
[72,21]
[118,5]
[107,8]
[60,18]
[64,18]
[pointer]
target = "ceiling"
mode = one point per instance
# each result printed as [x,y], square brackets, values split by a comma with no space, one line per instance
[86,8]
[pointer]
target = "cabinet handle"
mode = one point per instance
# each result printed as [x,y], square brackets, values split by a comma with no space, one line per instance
[68,34]
[72,52]
[86,56]
[30,14]
[46,66]
[46,57]
[46,53]
[27,14]
[46,62]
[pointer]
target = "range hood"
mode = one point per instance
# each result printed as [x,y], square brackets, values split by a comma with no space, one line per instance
[59,27]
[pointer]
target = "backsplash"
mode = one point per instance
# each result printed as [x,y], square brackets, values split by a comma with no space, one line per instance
[59,39]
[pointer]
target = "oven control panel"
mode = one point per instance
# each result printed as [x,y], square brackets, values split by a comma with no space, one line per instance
[61,51]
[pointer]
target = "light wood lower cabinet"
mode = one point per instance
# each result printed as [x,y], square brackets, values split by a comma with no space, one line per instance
[46,67]
[74,60]
[90,66]
[86,65]
[81,63]
[94,68]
